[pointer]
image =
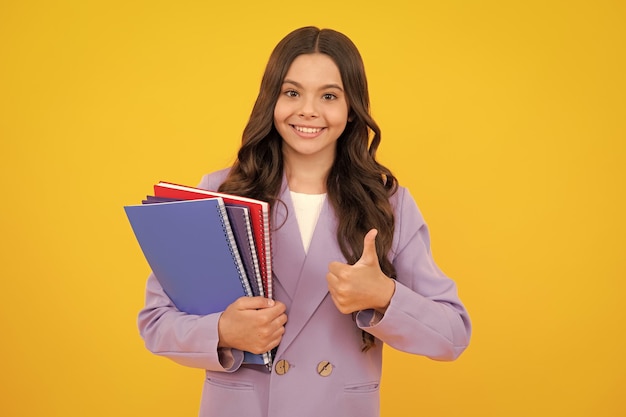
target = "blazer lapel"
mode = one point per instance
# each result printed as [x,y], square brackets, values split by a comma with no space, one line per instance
[307,287]
[287,251]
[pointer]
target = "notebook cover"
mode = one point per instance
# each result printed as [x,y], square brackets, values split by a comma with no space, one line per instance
[193,253]
[259,216]
[189,252]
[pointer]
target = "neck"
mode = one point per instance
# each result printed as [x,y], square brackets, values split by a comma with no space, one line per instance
[306,176]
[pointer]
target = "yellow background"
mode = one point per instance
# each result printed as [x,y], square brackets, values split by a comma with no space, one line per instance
[505,119]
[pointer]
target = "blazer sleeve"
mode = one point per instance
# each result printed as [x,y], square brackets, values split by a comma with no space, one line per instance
[425,315]
[187,339]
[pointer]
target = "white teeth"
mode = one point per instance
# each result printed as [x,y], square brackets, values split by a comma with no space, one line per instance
[307,129]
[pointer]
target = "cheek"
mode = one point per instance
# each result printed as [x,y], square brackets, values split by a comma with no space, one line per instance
[340,118]
[281,111]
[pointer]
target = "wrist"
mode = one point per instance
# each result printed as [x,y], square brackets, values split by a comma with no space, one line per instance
[386,293]
[221,340]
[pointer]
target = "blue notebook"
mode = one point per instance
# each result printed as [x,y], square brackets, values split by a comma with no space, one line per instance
[241,225]
[192,251]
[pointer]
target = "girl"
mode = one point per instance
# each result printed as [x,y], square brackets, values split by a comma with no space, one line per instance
[351,256]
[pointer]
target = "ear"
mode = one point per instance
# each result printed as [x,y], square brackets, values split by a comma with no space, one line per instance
[351,116]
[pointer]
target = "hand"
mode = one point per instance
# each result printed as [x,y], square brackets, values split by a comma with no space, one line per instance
[252,324]
[362,285]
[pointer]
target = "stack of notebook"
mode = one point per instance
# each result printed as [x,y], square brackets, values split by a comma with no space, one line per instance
[205,248]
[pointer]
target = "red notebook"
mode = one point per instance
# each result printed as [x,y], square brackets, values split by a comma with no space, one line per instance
[259,216]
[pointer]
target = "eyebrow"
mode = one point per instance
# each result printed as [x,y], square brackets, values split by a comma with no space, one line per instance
[324,87]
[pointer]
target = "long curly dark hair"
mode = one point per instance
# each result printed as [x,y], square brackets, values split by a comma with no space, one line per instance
[358,187]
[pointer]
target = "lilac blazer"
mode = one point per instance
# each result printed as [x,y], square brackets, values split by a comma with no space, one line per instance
[326,372]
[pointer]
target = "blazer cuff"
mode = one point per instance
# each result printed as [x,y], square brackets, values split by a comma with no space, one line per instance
[368,318]
[230,359]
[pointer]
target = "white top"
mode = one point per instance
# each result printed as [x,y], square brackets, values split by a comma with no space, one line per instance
[308,208]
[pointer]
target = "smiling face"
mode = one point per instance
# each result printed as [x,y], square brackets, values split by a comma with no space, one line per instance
[312,111]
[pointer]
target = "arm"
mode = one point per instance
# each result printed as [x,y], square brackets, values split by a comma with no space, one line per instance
[187,339]
[424,315]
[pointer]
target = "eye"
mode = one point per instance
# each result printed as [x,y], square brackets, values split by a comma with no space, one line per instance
[291,93]
[329,96]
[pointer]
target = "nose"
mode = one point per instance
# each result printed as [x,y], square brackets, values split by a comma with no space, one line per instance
[307,109]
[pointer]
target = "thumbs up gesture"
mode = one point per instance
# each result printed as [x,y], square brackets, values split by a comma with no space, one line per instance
[362,285]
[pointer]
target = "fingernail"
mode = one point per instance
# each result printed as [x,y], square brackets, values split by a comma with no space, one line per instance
[270,302]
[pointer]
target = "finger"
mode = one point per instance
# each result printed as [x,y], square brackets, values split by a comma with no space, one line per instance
[278,308]
[280,320]
[330,280]
[369,256]
[254,303]
[335,268]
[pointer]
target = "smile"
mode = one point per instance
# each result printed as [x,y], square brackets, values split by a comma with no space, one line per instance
[310,130]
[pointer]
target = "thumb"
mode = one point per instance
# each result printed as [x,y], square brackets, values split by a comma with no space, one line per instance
[369,256]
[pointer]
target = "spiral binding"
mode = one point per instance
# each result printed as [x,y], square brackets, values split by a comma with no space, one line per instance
[232,245]
[230,237]
[267,262]
[253,253]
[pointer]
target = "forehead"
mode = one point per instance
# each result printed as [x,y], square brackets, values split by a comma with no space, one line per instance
[314,69]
